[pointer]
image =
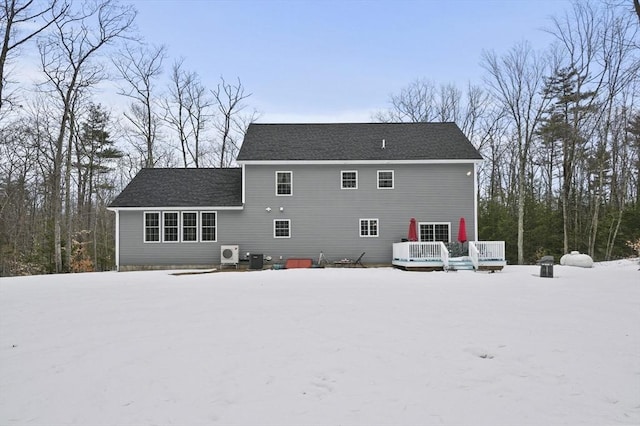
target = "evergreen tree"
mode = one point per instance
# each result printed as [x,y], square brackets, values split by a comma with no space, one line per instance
[563,134]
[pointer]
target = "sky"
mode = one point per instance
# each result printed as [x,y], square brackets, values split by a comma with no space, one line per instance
[336,61]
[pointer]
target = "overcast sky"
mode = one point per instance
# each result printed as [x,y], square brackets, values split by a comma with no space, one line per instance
[331,61]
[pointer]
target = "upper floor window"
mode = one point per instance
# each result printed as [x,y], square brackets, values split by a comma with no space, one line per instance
[151,227]
[385,179]
[349,179]
[189,226]
[368,227]
[282,228]
[170,225]
[208,226]
[284,183]
[435,232]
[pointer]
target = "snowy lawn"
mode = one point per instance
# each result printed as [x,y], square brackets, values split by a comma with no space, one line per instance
[323,347]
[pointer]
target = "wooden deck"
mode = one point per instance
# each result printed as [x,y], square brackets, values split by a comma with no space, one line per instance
[434,256]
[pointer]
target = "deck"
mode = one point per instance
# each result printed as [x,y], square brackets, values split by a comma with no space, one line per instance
[427,256]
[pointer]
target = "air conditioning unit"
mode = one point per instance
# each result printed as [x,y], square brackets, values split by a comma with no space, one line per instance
[229,255]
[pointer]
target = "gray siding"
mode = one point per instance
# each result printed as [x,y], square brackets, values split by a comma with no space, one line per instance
[323,216]
[326,218]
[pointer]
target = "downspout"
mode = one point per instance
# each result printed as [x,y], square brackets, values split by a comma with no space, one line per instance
[475,199]
[117,240]
[243,183]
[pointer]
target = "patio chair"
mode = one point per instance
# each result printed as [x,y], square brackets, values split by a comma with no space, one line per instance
[359,261]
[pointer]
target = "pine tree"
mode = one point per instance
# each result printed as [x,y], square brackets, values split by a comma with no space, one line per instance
[562,131]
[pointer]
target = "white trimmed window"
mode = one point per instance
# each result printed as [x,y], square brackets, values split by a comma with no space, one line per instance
[385,179]
[437,231]
[208,221]
[369,227]
[189,226]
[151,227]
[284,183]
[282,228]
[349,179]
[170,227]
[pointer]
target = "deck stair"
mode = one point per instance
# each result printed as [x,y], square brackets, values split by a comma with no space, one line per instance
[460,264]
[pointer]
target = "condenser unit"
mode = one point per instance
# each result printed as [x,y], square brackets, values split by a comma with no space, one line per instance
[229,255]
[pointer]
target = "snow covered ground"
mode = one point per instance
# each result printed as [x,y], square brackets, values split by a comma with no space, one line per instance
[323,347]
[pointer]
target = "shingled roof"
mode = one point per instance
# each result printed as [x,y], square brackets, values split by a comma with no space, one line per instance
[356,142]
[183,188]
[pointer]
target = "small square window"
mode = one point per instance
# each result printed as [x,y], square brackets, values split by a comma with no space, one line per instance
[385,179]
[282,228]
[349,180]
[368,227]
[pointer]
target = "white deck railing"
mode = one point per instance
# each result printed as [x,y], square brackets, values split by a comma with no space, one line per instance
[421,251]
[489,250]
[479,251]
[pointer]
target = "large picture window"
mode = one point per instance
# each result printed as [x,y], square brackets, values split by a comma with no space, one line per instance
[189,226]
[170,226]
[368,227]
[282,228]
[284,183]
[385,179]
[435,232]
[349,179]
[151,227]
[208,226]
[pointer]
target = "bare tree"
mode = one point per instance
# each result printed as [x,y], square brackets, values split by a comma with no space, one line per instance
[29,15]
[187,112]
[139,67]
[228,100]
[66,57]
[515,80]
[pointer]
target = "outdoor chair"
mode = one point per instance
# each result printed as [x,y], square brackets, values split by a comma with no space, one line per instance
[359,261]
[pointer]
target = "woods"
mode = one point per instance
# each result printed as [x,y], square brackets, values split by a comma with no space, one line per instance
[559,129]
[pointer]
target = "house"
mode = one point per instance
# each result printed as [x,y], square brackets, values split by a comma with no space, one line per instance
[301,189]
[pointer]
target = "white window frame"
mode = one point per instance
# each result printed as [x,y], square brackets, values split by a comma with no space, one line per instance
[182,226]
[393,179]
[144,227]
[420,224]
[288,221]
[369,220]
[342,172]
[201,226]
[290,183]
[164,226]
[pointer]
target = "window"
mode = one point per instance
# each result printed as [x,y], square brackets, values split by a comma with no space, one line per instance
[368,227]
[151,227]
[435,232]
[170,225]
[189,226]
[208,226]
[282,228]
[385,179]
[349,180]
[284,183]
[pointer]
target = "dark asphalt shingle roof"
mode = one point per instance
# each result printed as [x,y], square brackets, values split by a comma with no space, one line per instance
[356,141]
[183,188]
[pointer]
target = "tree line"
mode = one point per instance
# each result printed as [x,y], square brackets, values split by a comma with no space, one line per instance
[559,129]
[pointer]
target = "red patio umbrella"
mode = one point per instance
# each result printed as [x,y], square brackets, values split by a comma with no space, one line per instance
[413,230]
[462,231]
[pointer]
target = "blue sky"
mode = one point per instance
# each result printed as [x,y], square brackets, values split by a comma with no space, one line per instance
[331,61]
